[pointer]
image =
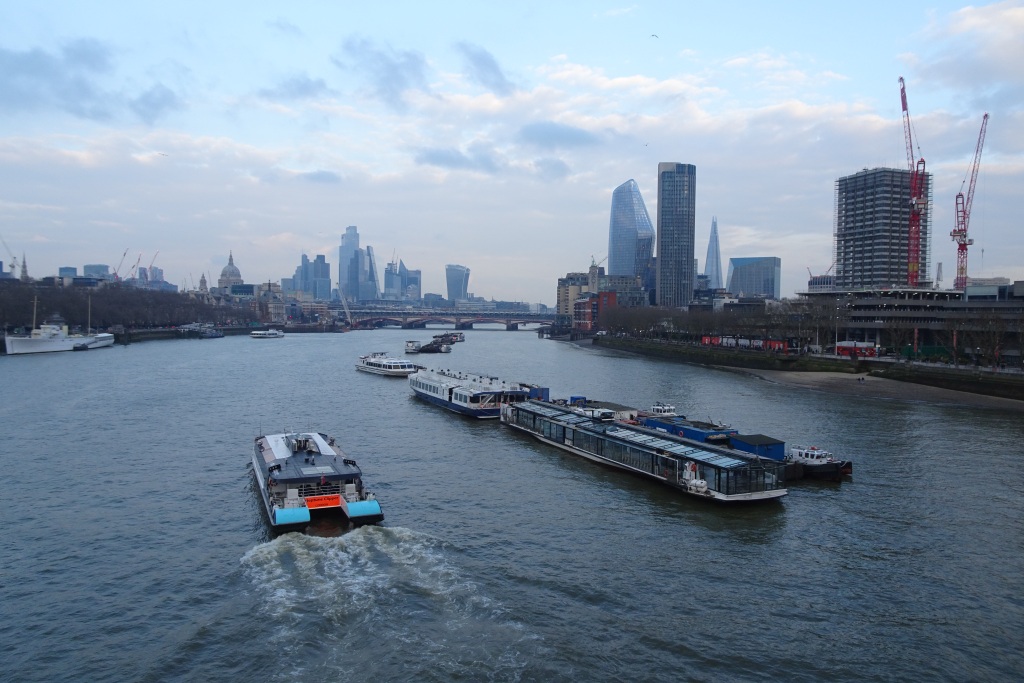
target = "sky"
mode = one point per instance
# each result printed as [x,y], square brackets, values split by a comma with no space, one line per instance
[490,136]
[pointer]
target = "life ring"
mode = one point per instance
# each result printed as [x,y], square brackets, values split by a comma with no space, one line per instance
[693,467]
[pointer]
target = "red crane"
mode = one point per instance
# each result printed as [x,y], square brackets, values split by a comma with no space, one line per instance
[917,197]
[963,213]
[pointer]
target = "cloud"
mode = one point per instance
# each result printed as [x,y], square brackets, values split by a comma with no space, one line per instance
[551,135]
[34,79]
[320,177]
[391,73]
[286,27]
[979,50]
[484,69]
[551,169]
[155,102]
[299,87]
[479,157]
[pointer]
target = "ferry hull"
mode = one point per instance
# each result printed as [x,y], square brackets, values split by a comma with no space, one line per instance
[481,414]
[24,345]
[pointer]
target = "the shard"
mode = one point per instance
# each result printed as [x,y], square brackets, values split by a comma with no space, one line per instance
[713,262]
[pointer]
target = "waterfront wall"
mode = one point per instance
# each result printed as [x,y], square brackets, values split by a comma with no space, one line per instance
[970,379]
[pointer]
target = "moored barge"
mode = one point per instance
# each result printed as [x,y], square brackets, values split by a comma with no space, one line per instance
[707,473]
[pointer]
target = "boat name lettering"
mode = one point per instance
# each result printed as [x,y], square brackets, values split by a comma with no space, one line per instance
[323,501]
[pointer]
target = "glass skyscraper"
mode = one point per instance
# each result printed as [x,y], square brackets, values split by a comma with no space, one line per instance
[677,192]
[630,233]
[713,262]
[756,276]
[458,282]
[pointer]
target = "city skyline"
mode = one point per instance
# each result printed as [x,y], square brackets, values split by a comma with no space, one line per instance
[207,129]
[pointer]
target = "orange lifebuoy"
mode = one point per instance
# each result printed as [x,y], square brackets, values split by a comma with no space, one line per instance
[693,467]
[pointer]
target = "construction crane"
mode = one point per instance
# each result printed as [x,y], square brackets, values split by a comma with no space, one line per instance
[963,212]
[917,196]
[131,274]
[116,276]
[14,259]
[149,271]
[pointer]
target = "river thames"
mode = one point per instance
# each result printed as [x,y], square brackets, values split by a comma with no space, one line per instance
[134,548]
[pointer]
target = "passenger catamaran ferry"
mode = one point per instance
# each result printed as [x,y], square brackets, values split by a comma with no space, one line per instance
[709,473]
[478,396]
[298,474]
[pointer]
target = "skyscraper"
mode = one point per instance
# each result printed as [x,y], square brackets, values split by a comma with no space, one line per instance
[458,282]
[677,192]
[630,233]
[756,276]
[348,278]
[713,262]
[872,229]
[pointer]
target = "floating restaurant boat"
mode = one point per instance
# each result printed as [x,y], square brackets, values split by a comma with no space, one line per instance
[267,334]
[818,463]
[478,396]
[302,474]
[709,473]
[380,363]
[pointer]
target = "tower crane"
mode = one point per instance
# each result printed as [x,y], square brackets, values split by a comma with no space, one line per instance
[149,271]
[963,212]
[116,276]
[917,196]
[131,274]
[14,259]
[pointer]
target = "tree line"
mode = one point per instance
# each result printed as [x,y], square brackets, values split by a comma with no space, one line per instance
[111,306]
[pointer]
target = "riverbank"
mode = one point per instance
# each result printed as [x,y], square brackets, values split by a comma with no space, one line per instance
[881,388]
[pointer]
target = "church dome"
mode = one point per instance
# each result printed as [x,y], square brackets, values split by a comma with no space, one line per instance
[230,271]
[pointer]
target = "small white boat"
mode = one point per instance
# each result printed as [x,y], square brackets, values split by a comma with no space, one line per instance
[302,474]
[818,463]
[412,346]
[380,363]
[267,334]
[660,409]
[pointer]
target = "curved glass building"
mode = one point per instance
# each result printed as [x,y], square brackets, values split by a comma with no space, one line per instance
[630,233]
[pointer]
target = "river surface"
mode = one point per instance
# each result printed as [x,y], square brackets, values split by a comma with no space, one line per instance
[132,547]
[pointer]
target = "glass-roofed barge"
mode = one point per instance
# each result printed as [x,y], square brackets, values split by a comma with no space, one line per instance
[706,472]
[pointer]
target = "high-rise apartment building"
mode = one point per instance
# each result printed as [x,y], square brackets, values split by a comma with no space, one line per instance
[872,229]
[713,262]
[755,276]
[630,233]
[457,278]
[677,192]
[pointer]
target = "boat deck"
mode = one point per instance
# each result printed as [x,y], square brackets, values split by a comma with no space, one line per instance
[320,459]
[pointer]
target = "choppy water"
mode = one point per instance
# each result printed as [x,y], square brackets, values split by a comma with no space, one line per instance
[133,548]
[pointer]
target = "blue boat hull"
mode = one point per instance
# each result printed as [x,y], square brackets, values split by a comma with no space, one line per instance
[483,414]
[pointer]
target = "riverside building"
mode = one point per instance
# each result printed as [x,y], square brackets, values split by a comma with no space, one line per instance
[677,193]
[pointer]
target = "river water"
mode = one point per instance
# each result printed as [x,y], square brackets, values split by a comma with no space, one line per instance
[133,547]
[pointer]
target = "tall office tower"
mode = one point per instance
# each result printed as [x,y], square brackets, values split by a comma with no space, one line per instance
[713,262]
[630,233]
[677,193]
[369,288]
[755,276]
[348,278]
[872,229]
[458,282]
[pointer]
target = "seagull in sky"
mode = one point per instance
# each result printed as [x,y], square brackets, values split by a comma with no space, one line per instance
[654,35]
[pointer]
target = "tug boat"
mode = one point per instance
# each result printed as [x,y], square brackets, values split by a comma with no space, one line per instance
[818,463]
[301,474]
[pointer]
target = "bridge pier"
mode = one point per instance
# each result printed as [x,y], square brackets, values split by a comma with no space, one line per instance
[413,326]
[511,327]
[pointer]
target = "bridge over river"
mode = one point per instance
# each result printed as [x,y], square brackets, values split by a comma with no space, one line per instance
[462,320]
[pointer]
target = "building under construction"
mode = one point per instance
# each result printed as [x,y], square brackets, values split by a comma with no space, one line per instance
[872,230]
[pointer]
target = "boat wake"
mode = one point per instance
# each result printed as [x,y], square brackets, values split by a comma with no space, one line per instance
[381,585]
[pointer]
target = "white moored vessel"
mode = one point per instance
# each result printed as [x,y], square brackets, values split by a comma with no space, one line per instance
[52,335]
[380,363]
[478,396]
[266,334]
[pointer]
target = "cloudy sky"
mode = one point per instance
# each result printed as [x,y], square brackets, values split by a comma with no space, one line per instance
[454,132]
